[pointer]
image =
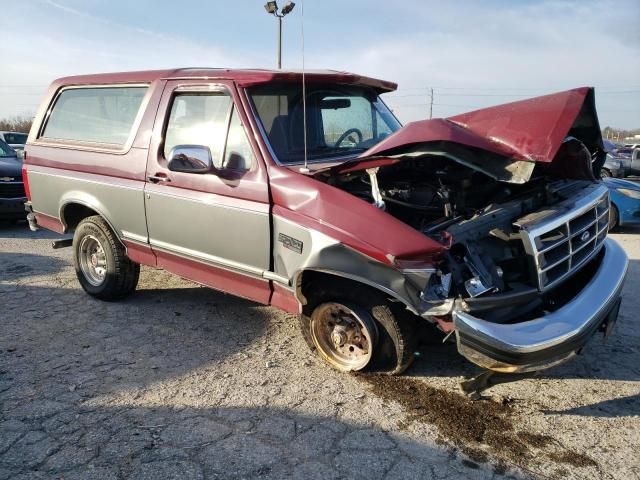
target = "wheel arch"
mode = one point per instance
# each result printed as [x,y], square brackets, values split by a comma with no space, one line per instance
[303,279]
[74,210]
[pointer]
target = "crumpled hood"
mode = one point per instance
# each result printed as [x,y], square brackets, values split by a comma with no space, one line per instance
[505,141]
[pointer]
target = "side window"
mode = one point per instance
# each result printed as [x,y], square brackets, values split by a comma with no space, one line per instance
[198,119]
[95,114]
[238,153]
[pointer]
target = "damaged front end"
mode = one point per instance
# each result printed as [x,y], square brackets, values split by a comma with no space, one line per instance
[511,192]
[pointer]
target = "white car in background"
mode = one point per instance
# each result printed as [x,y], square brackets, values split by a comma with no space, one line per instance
[16,140]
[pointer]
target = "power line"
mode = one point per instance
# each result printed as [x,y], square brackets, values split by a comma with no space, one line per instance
[21,94]
[24,86]
[494,94]
[523,89]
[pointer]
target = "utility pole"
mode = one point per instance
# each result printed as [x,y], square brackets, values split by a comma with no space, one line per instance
[431,103]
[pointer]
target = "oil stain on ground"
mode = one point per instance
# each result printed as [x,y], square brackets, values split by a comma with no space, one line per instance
[477,428]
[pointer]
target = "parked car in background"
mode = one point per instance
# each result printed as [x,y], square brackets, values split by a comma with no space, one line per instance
[624,152]
[625,202]
[613,167]
[15,140]
[12,194]
[361,226]
[621,162]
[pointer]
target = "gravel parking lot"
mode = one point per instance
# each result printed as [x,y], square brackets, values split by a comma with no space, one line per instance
[180,381]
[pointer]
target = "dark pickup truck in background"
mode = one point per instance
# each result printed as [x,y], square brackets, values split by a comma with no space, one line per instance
[12,195]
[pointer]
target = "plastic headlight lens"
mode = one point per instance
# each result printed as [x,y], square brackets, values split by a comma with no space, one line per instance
[629,193]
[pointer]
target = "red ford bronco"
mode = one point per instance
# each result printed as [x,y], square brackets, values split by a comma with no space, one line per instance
[490,225]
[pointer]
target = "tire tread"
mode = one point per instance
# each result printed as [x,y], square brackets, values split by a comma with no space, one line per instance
[127,272]
[397,325]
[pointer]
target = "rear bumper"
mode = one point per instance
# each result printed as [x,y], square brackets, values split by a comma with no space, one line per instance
[12,208]
[546,341]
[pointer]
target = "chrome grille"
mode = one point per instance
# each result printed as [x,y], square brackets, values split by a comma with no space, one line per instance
[560,244]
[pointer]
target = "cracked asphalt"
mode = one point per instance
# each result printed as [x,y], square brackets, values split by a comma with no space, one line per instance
[179,381]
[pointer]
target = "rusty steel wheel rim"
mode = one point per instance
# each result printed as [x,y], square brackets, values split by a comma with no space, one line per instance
[344,338]
[93,261]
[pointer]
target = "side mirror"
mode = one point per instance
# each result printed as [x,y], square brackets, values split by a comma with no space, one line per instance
[190,159]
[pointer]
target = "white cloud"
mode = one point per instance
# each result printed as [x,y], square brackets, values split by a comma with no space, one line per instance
[489,48]
[522,48]
[64,41]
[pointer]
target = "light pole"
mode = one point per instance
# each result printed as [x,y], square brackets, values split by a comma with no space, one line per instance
[272,8]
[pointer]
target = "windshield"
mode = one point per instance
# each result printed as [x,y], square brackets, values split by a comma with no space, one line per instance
[6,150]
[341,120]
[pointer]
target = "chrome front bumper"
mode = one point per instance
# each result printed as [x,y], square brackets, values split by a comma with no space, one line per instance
[551,339]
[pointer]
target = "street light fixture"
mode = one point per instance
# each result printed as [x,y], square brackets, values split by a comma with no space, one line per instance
[272,9]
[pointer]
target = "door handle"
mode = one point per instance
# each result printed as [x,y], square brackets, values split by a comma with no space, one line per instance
[158,178]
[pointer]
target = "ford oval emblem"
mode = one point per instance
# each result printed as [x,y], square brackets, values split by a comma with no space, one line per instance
[585,236]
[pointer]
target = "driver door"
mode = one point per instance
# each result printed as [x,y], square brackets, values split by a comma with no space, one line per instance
[211,227]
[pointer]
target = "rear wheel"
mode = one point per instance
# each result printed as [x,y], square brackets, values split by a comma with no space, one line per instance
[359,331]
[102,266]
[614,217]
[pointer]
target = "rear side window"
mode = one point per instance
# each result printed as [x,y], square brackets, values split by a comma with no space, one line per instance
[96,115]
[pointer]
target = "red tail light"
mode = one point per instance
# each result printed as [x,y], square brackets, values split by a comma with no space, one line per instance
[25,180]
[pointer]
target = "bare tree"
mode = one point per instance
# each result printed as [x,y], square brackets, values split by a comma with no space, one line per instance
[16,124]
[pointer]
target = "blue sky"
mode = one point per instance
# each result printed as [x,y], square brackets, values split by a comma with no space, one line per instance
[473,53]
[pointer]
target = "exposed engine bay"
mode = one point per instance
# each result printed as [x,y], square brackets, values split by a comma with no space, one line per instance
[480,219]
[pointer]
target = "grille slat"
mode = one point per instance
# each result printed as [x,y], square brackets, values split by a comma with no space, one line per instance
[555,264]
[11,190]
[560,245]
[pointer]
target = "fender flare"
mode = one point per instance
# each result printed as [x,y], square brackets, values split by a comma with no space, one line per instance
[88,201]
[381,286]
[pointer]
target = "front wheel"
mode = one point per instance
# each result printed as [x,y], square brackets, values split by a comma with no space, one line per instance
[102,266]
[359,332]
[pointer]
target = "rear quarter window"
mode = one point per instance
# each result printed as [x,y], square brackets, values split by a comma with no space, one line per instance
[103,115]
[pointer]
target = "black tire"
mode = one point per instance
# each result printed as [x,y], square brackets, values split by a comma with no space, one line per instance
[614,217]
[122,274]
[396,343]
[604,173]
